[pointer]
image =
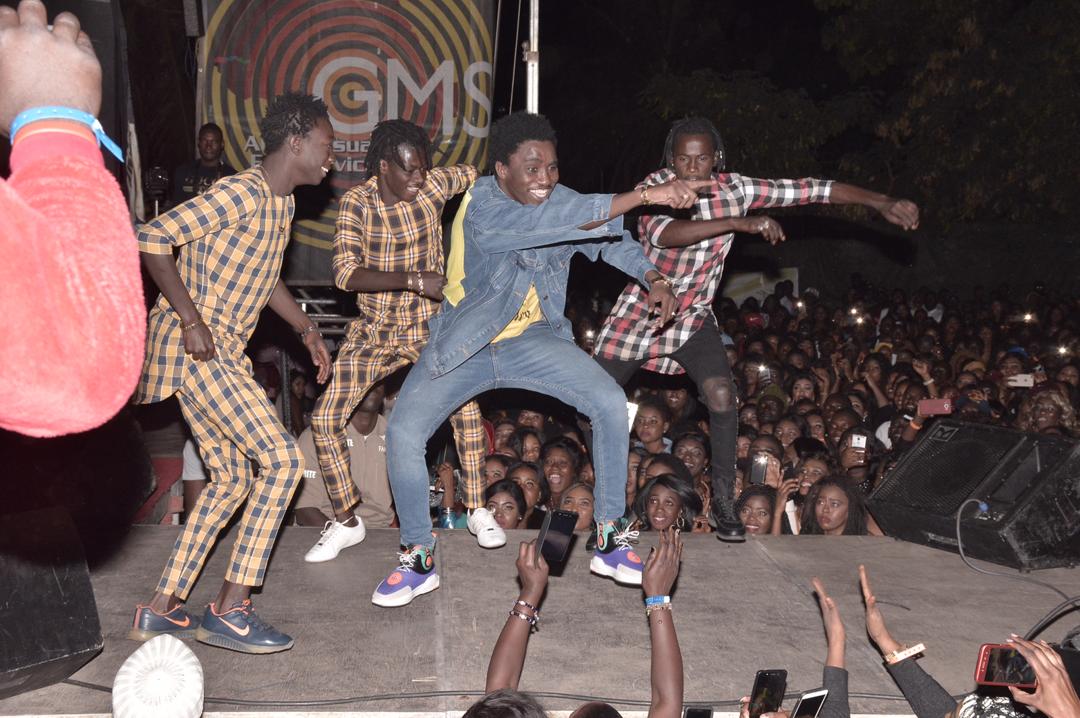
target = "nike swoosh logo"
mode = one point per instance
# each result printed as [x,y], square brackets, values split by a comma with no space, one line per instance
[237,631]
[181,624]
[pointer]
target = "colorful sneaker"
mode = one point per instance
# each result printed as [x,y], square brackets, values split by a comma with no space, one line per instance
[415,576]
[241,629]
[614,556]
[482,525]
[335,536]
[149,623]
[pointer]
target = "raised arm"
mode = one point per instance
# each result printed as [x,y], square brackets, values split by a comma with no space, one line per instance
[666,672]
[834,675]
[508,657]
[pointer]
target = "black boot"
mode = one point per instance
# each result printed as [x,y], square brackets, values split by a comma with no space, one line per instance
[728,526]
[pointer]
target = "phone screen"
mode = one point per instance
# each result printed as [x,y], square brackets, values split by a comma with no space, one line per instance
[758,467]
[555,534]
[698,713]
[768,693]
[1006,665]
[810,704]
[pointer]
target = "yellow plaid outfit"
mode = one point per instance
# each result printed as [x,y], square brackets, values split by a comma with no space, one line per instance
[232,240]
[392,326]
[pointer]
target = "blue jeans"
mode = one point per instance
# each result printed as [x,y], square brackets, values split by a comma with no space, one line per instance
[537,361]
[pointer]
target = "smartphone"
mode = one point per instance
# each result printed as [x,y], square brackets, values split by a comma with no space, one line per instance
[935,407]
[631,412]
[1000,664]
[759,465]
[697,713]
[809,704]
[858,441]
[768,693]
[1021,380]
[555,534]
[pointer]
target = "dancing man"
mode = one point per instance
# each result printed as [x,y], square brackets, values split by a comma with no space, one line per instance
[388,248]
[232,240]
[692,251]
[502,325]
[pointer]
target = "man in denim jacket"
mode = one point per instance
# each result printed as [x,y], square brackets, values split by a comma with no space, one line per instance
[502,326]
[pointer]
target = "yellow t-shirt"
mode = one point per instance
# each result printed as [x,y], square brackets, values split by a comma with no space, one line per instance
[454,291]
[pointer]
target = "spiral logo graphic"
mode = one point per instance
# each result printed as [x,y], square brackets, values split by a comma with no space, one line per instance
[427,61]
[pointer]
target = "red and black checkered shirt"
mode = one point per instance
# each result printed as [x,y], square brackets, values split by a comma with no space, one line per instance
[694,271]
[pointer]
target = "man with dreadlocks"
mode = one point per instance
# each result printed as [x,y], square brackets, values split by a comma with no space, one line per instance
[691,251]
[232,240]
[503,326]
[388,248]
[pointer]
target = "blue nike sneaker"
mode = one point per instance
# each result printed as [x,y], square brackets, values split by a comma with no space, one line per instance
[149,623]
[241,629]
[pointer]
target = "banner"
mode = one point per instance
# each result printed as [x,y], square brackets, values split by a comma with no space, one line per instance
[427,61]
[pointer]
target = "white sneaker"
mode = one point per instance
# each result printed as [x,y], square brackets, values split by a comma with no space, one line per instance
[335,536]
[482,525]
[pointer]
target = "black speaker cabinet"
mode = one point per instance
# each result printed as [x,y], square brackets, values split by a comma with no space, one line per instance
[1030,484]
[48,617]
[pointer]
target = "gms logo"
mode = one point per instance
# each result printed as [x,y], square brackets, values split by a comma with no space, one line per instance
[427,61]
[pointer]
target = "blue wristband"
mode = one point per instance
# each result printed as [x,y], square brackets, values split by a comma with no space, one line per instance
[657,600]
[67,113]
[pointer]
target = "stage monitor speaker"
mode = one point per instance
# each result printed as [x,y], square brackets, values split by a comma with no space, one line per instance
[1030,484]
[48,616]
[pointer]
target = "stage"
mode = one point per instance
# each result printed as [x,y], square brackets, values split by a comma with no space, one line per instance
[738,608]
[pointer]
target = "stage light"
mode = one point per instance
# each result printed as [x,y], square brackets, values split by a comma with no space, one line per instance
[859,320]
[1028,317]
[853,311]
[1063,350]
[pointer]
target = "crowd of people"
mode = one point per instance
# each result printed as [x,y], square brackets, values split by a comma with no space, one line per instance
[776,416]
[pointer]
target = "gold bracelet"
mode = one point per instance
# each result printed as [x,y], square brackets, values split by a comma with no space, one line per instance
[311,328]
[645,195]
[901,653]
[186,327]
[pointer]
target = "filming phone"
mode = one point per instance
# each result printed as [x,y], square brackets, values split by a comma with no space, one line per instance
[759,466]
[934,407]
[1000,664]
[768,692]
[809,704]
[555,534]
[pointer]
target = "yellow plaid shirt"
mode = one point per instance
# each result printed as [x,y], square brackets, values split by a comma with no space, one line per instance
[402,237]
[232,240]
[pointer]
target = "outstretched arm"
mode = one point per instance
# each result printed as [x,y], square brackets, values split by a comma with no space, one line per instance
[661,570]
[901,212]
[508,658]
[685,232]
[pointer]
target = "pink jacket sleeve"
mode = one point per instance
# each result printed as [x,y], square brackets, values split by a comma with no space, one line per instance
[70,290]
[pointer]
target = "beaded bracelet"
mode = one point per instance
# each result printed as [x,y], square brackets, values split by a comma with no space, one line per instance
[531,620]
[420,282]
[660,607]
[311,328]
[526,604]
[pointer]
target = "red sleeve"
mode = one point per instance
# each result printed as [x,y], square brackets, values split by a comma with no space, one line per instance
[70,290]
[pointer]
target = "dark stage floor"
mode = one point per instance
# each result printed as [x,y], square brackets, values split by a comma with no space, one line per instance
[738,608]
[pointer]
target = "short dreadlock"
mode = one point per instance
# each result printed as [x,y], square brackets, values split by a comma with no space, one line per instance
[692,126]
[290,114]
[387,136]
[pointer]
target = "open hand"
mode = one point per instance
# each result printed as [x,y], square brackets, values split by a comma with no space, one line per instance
[40,67]
[830,614]
[875,622]
[320,355]
[1054,694]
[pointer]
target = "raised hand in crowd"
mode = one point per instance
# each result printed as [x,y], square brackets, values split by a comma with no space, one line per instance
[835,633]
[508,657]
[1054,695]
[661,570]
[40,67]
[875,622]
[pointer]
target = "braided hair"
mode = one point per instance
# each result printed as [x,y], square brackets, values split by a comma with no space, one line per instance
[692,126]
[387,136]
[290,114]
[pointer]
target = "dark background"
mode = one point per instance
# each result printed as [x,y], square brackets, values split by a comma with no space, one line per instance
[968,108]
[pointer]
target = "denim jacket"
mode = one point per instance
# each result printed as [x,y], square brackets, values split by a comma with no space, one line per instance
[510,246]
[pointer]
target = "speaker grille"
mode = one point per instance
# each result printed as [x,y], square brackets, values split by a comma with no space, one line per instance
[942,471]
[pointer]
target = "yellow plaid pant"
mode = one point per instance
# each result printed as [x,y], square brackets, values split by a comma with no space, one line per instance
[358,367]
[237,431]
